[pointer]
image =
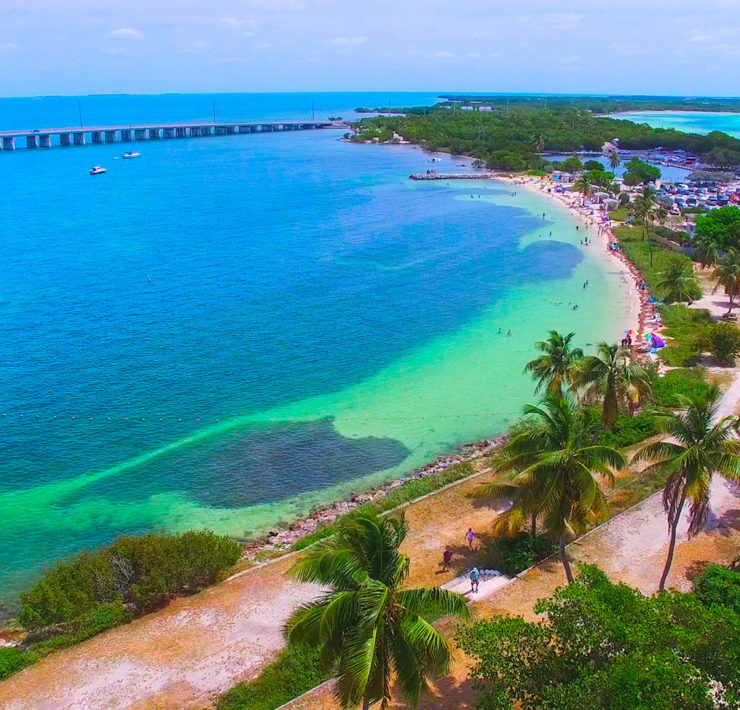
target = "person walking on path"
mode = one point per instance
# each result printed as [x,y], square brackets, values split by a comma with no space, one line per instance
[446,558]
[470,536]
[474,577]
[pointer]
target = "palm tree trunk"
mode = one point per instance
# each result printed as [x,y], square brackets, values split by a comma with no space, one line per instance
[564,560]
[671,545]
[610,409]
[534,526]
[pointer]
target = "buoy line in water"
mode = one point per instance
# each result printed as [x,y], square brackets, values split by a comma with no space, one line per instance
[37,418]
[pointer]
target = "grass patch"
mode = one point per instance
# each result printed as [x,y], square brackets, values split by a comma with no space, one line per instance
[685,330]
[13,660]
[668,391]
[406,492]
[620,214]
[637,250]
[628,431]
[295,671]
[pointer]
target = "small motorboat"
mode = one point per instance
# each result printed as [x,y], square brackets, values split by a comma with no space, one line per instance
[97,170]
[131,154]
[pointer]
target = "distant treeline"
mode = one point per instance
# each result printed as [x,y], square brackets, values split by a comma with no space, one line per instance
[514,139]
[603,104]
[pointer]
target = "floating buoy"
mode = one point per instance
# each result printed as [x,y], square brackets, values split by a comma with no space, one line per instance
[197,421]
[90,419]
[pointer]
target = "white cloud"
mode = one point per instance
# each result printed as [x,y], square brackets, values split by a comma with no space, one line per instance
[563,20]
[127,33]
[347,41]
[474,55]
[193,47]
[277,5]
[236,24]
[8,47]
[444,55]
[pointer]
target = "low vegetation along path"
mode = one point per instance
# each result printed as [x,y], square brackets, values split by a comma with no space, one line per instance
[200,646]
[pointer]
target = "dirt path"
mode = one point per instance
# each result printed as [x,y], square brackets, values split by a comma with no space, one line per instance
[176,658]
[198,647]
[630,548]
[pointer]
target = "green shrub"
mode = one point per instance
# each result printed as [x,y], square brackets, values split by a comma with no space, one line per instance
[719,585]
[628,431]
[295,671]
[515,554]
[13,660]
[723,341]
[669,390]
[135,574]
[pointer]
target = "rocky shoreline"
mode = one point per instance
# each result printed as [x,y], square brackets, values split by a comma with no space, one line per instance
[282,539]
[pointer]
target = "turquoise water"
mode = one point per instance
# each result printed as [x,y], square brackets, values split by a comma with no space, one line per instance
[229,330]
[689,121]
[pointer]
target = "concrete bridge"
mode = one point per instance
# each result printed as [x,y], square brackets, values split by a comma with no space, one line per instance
[47,137]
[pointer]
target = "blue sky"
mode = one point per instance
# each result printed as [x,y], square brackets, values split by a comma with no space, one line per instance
[153,46]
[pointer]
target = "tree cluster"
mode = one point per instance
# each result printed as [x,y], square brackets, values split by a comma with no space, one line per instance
[515,139]
[605,645]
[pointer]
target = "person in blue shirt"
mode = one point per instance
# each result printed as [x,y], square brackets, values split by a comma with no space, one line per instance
[474,577]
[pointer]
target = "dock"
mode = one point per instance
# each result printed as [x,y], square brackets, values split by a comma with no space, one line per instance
[82,135]
[431,175]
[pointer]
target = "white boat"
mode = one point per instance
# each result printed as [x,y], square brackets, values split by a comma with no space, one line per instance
[97,170]
[131,154]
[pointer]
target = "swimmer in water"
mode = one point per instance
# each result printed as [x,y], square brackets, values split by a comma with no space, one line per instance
[500,331]
[575,308]
[508,332]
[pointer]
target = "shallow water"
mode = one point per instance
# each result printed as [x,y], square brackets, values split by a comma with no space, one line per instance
[229,330]
[688,121]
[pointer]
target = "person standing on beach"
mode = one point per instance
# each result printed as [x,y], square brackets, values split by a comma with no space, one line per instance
[470,536]
[474,578]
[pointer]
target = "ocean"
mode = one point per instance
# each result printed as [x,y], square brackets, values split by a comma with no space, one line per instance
[231,330]
[688,121]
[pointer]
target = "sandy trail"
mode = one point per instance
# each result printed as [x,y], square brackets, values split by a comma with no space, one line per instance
[176,658]
[630,548]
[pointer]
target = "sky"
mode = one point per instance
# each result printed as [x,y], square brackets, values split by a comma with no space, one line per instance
[76,47]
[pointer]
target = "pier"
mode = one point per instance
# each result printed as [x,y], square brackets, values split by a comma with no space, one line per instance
[432,175]
[48,137]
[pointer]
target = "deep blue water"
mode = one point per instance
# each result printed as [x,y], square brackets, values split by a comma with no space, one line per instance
[210,279]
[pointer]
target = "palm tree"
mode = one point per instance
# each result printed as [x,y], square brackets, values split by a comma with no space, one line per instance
[699,446]
[614,160]
[727,274]
[555,366]
[525,499]
[612,378]
[706,251]
[366,626]
[584,186]
[557,463]
[643,208]
[677,282]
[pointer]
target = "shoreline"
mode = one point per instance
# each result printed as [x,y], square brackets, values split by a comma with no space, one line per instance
[641,308]
[282,537]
